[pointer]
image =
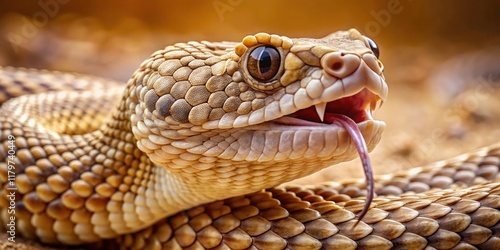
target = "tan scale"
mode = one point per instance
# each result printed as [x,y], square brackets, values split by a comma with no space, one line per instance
[194,147]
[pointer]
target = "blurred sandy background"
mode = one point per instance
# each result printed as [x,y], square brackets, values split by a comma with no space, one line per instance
[111,38]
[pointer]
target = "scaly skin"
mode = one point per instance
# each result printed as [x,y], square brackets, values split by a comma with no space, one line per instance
[195,126]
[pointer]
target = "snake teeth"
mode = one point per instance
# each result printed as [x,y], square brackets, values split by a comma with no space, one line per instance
[321,109]
[375,105]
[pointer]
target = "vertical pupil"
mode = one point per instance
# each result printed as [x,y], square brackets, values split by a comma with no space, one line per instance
[264,62]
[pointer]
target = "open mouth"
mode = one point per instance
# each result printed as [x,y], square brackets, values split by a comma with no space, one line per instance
[358,107]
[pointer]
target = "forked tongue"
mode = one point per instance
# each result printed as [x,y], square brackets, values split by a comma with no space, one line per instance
[356,136]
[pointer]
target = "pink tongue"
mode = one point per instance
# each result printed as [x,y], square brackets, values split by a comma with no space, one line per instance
[357,137]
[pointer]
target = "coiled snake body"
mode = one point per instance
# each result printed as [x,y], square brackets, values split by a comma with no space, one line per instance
[190,153]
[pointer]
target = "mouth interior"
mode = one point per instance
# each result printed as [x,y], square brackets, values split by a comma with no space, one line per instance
[357,107]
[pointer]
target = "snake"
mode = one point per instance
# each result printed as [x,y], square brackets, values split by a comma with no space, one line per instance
[192,153]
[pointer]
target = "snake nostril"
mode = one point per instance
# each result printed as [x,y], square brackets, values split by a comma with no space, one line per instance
[340,64]
[337,66]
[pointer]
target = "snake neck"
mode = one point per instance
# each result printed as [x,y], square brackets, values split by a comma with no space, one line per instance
[130,188]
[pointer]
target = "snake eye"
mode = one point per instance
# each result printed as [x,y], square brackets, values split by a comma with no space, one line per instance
[373,47]
[264,63]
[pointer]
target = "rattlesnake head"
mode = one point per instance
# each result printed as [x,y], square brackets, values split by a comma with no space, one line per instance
[232,118]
